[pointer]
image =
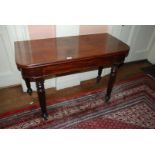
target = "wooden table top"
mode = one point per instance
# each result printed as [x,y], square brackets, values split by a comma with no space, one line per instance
[53,50]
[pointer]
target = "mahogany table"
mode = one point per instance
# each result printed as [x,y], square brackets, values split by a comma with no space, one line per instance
[40,59]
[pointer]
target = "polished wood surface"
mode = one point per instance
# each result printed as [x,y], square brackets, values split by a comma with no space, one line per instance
[39,59]
[49,51]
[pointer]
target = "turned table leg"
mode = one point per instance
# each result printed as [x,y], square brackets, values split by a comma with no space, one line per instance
[42,98]
[111,82]
[29,90]
[99,74]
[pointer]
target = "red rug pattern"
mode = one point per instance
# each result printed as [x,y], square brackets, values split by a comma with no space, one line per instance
[132,106]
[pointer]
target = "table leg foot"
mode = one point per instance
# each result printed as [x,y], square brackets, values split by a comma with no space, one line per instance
[99,74]
[107,98]
[29,90]
[98,79]
[45,116]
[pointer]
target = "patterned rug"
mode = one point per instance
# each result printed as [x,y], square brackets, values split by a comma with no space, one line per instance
[132,106]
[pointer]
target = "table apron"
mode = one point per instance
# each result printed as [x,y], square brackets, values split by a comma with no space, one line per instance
[70,67]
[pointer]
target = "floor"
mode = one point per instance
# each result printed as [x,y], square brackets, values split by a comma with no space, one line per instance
[13,98]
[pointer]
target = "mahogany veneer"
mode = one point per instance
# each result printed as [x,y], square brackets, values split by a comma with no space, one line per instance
[39,59]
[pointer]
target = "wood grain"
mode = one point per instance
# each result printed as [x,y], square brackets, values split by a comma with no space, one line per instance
[48,51]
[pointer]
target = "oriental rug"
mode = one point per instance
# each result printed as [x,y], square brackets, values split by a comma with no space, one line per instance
[132,106]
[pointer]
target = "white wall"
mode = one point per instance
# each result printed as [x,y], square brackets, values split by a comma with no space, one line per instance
[151,55]
[140,38]
[9,75]
[67,30]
